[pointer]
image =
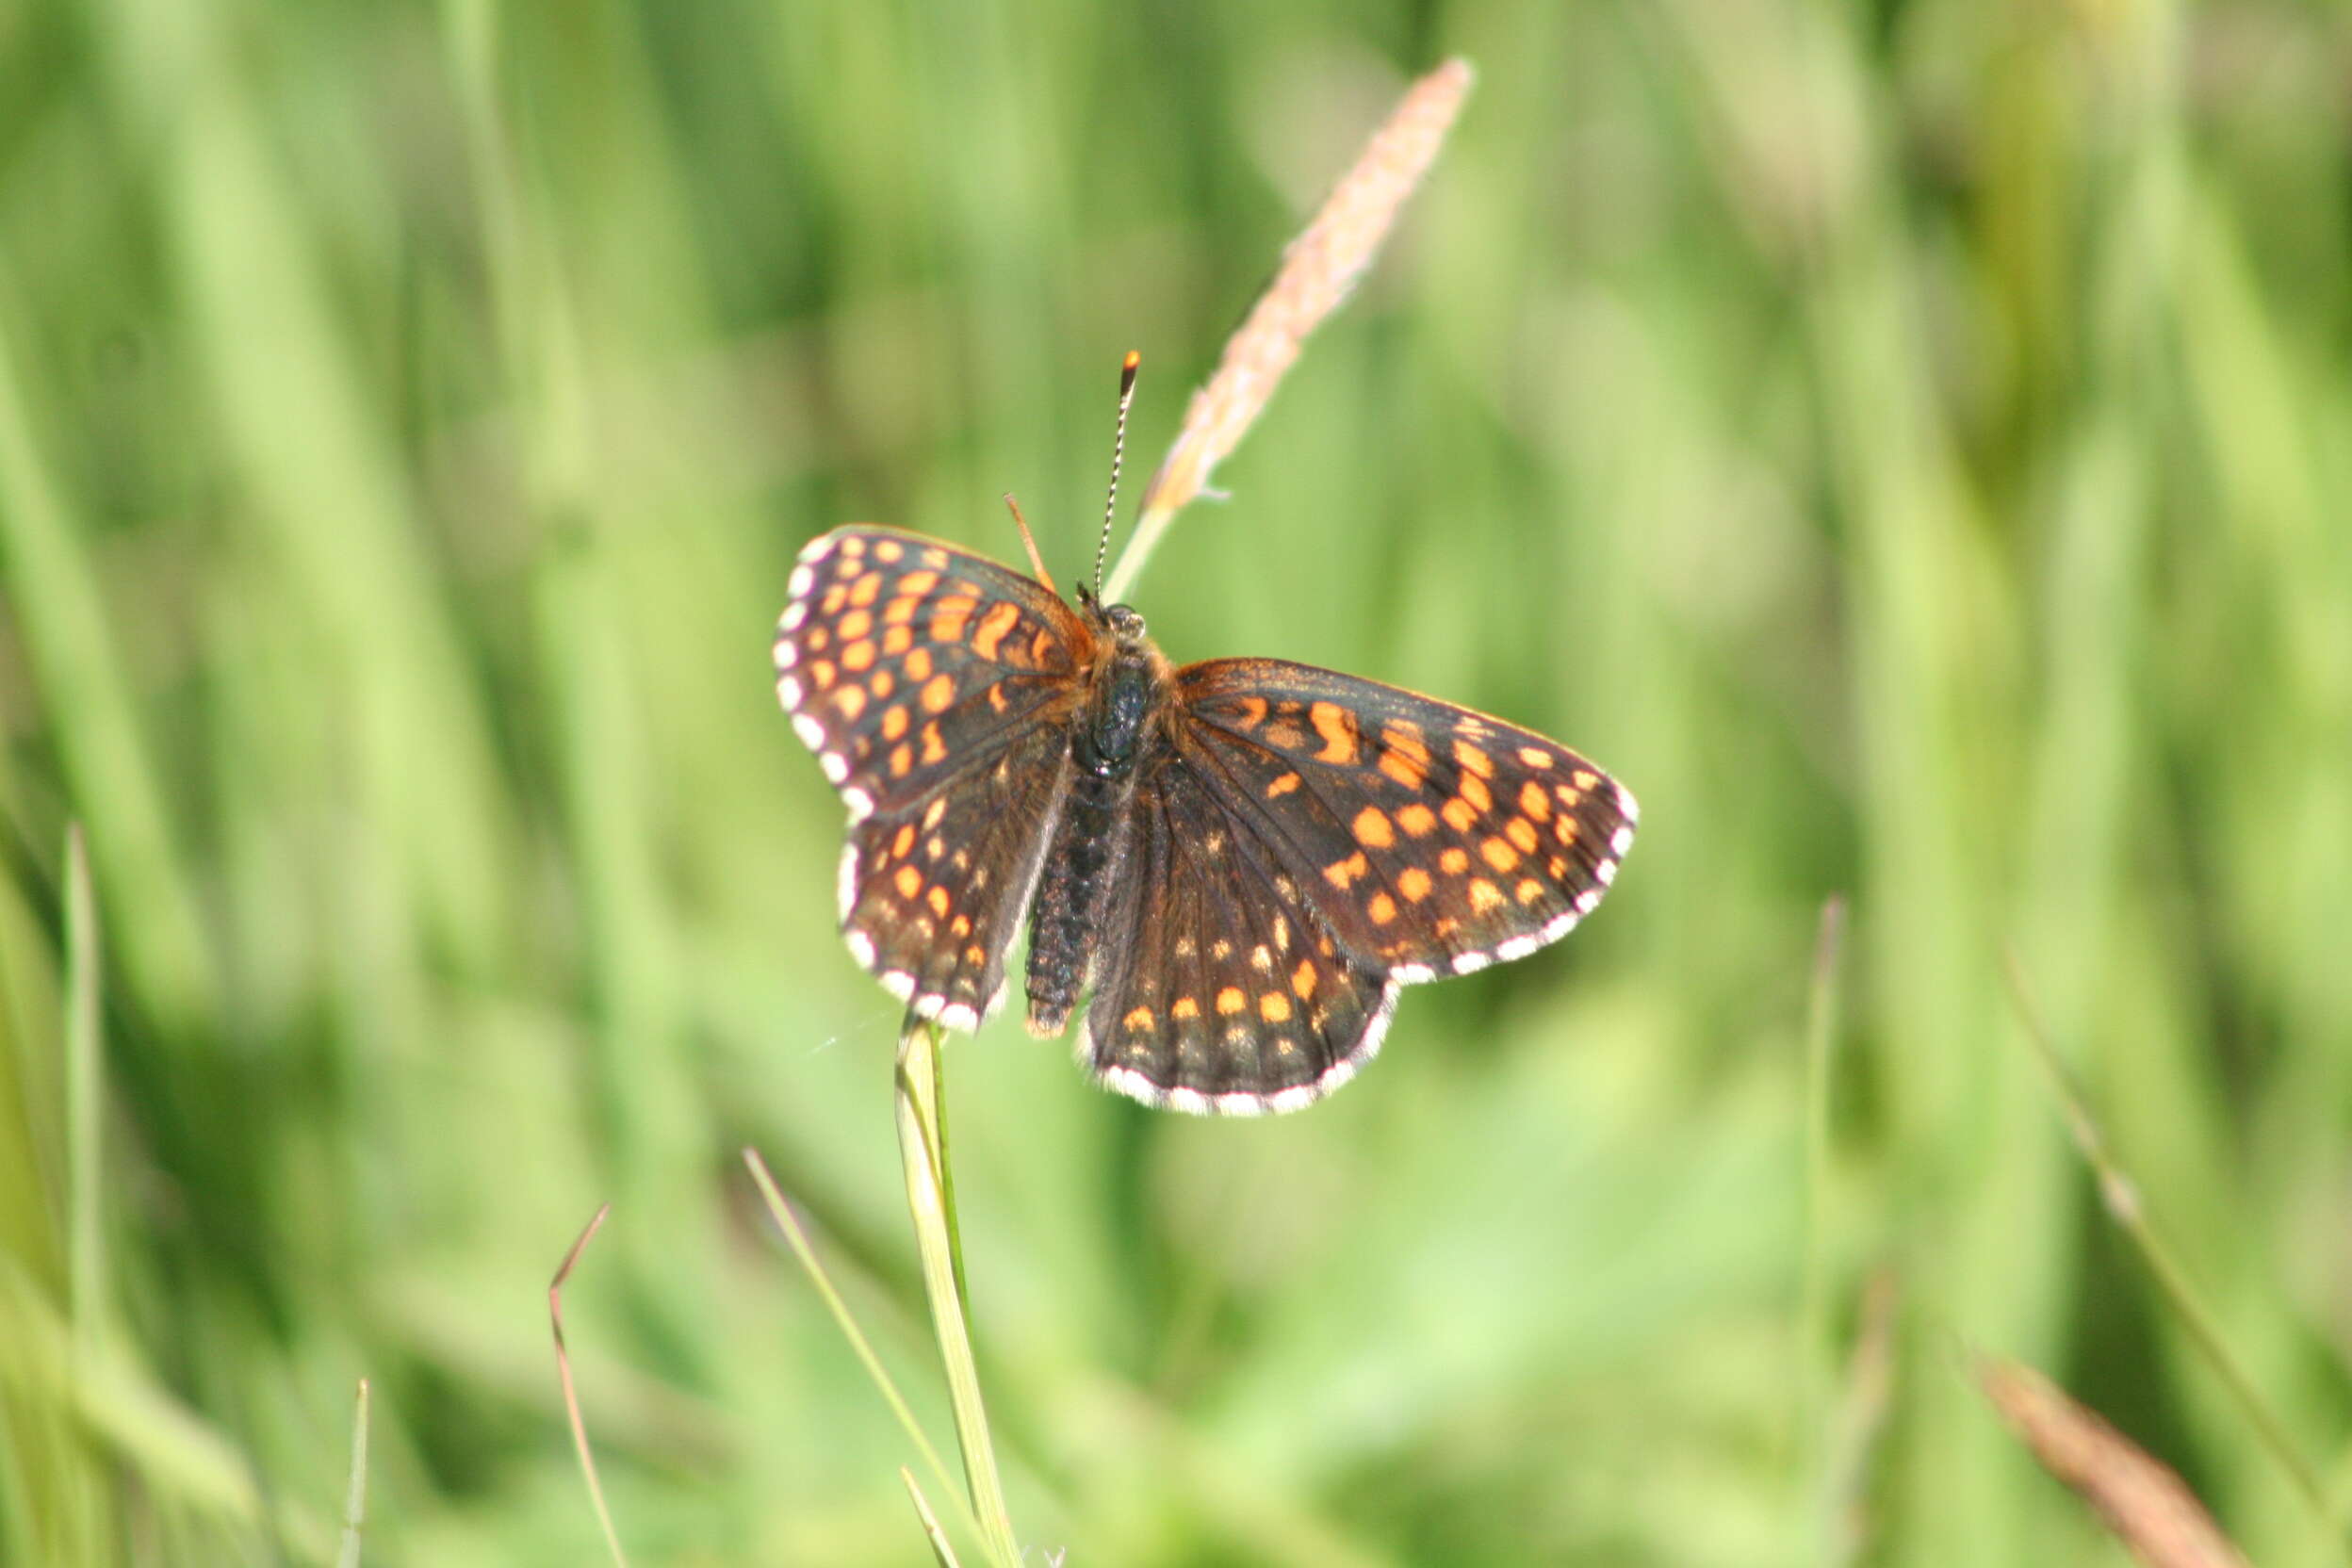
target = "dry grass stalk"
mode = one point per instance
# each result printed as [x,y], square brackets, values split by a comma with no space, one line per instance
[2151,1509]
[1318,270]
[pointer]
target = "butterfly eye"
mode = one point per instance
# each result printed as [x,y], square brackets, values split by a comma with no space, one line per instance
[1124,621]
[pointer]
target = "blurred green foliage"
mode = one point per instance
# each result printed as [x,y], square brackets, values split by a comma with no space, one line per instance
[1909,442]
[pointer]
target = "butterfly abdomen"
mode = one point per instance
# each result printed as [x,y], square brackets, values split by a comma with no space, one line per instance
[1089,848]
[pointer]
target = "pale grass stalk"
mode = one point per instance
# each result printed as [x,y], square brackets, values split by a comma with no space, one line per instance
[571,1393]
[1318,270]
[2120,1195]
[943,1553]
[930,1201]
[355,1489]
[2149,1509]
[796,1236]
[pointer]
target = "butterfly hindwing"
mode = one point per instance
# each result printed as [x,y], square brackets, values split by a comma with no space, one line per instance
[932,892]
[1220,989]
[1432,839]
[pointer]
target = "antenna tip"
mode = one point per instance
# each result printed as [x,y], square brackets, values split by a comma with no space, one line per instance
[1135,358]
[1127,368]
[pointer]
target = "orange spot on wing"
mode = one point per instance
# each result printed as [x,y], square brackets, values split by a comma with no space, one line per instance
[1473,760]
[1520,831]
[857,655]
[866,590]
[1281,786]
[1534,802]
[951,615]
[1454,860]
[934,748]
[1474,789]
[856,623]
[1372,828]
[1382,908]
[1584,778]
[1498,854]
[1460,814]
[851,700]
[893,722]
[938,902]
[1535,757]
[1274,1008]
[1413,883]
[1338,728]
[1229,1001]
[939,692]
[1137,1022]
[994,625]
[1484,895]
[897,640]
[905,842]
[910,882]
[1183,1007]
[1341,872]
[916,584]
[1529,889]
[1302,979]
[1416,819]
[888,549]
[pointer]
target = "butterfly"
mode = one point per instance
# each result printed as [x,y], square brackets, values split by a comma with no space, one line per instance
[1242,859]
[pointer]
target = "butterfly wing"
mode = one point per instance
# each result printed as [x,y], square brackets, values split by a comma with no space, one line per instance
[1220,989]
[934,686]
[1430,838]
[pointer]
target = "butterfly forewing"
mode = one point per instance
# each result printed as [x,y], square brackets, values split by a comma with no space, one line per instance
[905,663]
[935,688]
[1221,988]
[1431,839]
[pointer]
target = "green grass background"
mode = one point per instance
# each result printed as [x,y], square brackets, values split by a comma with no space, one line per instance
[1909,442]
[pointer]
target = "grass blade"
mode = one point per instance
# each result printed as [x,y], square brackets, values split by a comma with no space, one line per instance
[571,1393]
[922,1153]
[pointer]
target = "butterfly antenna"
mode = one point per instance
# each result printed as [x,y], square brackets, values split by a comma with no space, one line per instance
[1037,562]
[1118,450]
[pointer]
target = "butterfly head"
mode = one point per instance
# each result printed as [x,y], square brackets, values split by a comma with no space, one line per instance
[1121,623]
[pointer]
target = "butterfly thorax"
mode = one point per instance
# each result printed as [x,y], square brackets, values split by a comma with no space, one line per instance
[1113,739]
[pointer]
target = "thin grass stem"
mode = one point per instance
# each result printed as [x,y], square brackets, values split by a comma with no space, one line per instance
[940,1550]
[920,1152]
[355,1489]
[796,1236]
[571,1390]
[2120,1195]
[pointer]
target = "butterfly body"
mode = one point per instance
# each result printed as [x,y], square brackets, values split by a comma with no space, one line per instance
[1244,860]
[1116,737]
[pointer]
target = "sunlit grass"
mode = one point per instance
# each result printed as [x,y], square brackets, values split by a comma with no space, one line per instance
[1906,442]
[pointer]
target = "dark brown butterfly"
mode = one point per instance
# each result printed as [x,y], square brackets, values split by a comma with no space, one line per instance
[1244,860]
